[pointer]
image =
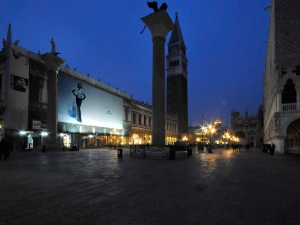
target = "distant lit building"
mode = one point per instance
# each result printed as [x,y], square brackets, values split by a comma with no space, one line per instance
[247,128]
[201,135]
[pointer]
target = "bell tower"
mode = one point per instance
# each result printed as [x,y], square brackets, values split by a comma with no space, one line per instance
[177,95]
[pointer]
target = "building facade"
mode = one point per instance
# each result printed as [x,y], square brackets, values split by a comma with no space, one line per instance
[281,77]
[247,128]
[39,92]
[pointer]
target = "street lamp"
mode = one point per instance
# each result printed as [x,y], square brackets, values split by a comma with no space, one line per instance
[211,130]
[227,136]
[185,139]
[114,132]
[202,132]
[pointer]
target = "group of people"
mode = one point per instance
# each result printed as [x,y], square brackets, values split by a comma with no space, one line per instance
[268,148]
[4,149]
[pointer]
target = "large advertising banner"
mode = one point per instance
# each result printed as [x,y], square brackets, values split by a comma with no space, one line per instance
[80,103]
[16,88]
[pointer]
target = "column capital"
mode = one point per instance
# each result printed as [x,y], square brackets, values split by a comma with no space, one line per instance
[159,23]
[52,62]
[297,87]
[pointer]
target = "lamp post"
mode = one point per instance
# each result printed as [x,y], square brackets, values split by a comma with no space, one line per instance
[43,134]
[227,137]
[62,140]
[202,128]
[202,131]
[23,133]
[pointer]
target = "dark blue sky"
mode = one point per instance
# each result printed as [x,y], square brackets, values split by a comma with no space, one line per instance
[224,40]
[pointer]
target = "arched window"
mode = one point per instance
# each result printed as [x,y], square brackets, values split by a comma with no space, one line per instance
[239,123]
[289,94]
[252,123]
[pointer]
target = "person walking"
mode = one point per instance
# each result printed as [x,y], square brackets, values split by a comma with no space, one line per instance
[4,150]
[272,150]
[247,147]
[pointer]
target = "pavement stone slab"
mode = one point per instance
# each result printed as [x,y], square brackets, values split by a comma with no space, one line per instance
[94,186]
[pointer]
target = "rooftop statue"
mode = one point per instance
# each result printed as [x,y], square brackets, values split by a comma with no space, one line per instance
[153,5]
[53,49]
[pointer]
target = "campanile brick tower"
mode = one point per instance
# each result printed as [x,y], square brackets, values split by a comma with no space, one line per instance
[177,85]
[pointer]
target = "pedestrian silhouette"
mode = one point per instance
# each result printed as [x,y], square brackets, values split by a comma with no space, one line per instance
[4,149]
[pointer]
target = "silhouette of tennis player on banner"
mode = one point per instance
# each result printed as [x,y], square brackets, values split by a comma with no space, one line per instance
[80,96]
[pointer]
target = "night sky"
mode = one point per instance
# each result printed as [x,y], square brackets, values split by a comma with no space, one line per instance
[224,40]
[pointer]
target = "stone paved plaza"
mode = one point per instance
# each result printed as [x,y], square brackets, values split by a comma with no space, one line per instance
[94,186]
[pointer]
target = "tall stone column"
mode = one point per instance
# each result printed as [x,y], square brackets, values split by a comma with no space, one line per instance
[53,64]
[159,24]
[298,97]
[279,101]
[279,145]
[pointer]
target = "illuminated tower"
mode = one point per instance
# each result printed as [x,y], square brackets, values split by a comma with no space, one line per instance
[177,95]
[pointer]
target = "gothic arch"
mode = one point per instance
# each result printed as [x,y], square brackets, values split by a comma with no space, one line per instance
[253,122]
[239,122]
[289,93]
[292,138]
[287,123]
[240,134]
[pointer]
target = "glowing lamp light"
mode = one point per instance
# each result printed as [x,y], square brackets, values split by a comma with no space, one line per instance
[43,133]
[22,132]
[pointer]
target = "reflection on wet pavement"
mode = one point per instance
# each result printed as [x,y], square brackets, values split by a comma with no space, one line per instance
[97,187]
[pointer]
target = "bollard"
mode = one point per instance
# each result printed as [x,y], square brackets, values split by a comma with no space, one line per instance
[172,154]
[120,152]
[43,148]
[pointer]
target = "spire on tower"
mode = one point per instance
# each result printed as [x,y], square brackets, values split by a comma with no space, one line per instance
[9,37]
[176,34]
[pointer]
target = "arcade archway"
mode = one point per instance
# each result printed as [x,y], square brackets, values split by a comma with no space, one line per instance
[292,140]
